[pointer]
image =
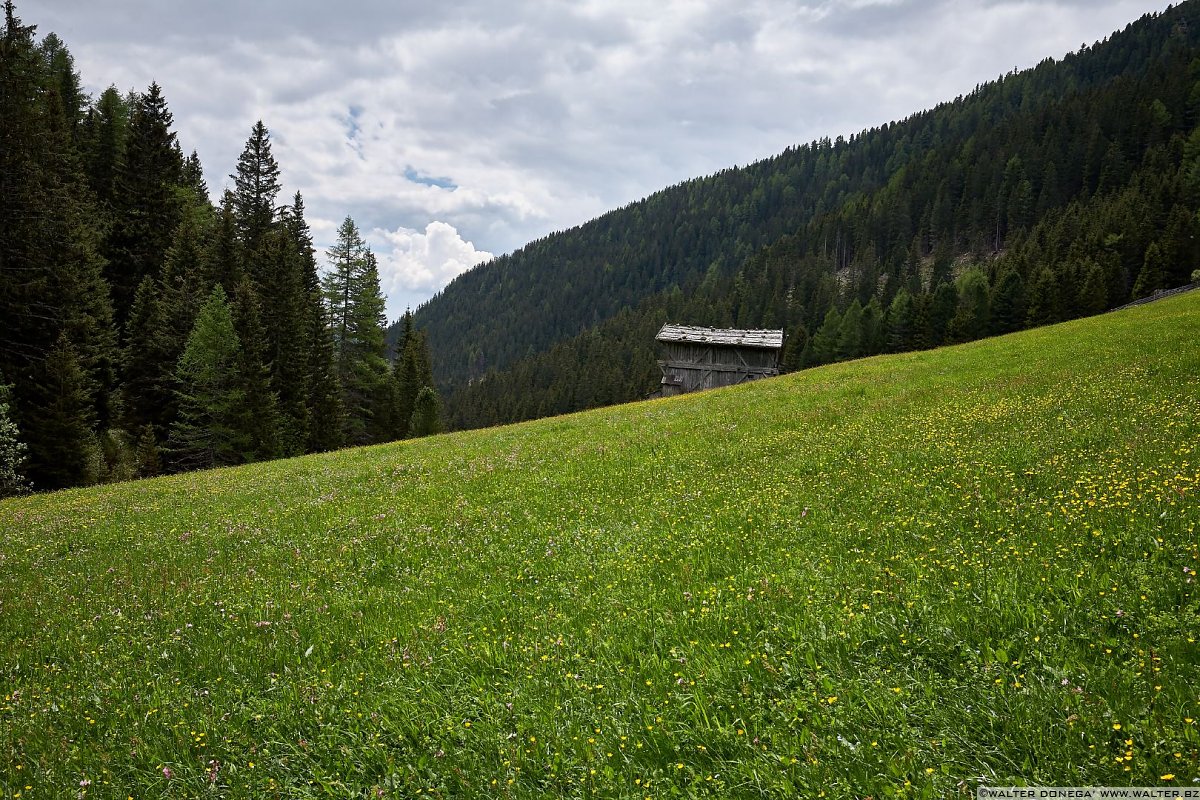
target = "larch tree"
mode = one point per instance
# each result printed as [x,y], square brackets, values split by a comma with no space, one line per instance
[356,319]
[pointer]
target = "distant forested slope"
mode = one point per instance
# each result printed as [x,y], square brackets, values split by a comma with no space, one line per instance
[1051,193]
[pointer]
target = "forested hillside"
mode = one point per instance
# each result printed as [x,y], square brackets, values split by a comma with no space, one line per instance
[144,329]
[1052,193]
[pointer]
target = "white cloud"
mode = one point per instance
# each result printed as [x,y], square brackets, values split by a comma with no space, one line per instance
[507,121]
[415,265]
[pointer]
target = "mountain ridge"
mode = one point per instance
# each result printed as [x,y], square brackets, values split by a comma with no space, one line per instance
[711,228]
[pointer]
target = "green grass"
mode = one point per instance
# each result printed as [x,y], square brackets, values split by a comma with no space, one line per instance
[902,576]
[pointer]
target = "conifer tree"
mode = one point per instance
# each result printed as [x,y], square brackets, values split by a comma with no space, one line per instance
[1093,292]
[412,371]
[1045,303]
[823,347]
[63,80]
[850,333]
[208,430]
[148,363]
[793,351]
[193,177]
[51,286]
[105,129]
[1008,303]
[356,319]
[900,322]
[256,184]
[147,458]
[63,413]
[874,330]
[185,285]
[324,412]
[258,417]
[1153,273]
[972,318]
[12,449]
[147,206]
[404,376]
[223,257]
[427,414]
[942,307]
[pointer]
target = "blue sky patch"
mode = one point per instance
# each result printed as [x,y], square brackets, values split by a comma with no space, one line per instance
[428,180]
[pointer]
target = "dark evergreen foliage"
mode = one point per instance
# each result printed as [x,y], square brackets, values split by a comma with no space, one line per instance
[1052,184]
[426,417]
[62,413]
[12,448]
[147,205]
[210,430]
[57,342]
[1063,190]
[258,419]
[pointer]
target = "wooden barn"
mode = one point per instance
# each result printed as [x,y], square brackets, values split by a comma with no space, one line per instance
[705,358]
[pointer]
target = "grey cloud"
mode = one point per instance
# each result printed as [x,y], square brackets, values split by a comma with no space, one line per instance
[543,114]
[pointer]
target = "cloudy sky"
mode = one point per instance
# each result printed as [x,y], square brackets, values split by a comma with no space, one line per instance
[451,131]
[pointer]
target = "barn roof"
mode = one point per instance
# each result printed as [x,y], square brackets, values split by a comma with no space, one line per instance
[732,337]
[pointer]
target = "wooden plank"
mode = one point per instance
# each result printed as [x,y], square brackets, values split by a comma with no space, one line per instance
[691,366]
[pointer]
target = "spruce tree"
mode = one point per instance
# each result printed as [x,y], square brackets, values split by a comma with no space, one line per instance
[62,411]
[147,458]
[972,318]
[1093,292]
[208,432]
[1008,303]
[256,182]
[51,286]
[287,340]
[427,414]
[823,347]
[850,333]
[105,130]
[874,330]
[193,177]
[148,363]
[185,287]
[1153,273]
[258,419]
[793,350]
[147,205]
[404,377]
[324,411]
[262,252]
[1045,303]
[942,308]
[412,372]
[345,262]
[900,322]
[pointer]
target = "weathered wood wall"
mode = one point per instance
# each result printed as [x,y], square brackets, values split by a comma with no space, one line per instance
[689,367]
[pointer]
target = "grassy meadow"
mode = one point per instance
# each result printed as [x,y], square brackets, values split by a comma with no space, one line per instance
[903,576]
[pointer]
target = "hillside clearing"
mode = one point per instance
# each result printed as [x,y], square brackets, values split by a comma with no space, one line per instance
[900,576]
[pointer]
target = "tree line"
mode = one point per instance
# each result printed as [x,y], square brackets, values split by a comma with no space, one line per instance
[147,329]
[1056,192]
